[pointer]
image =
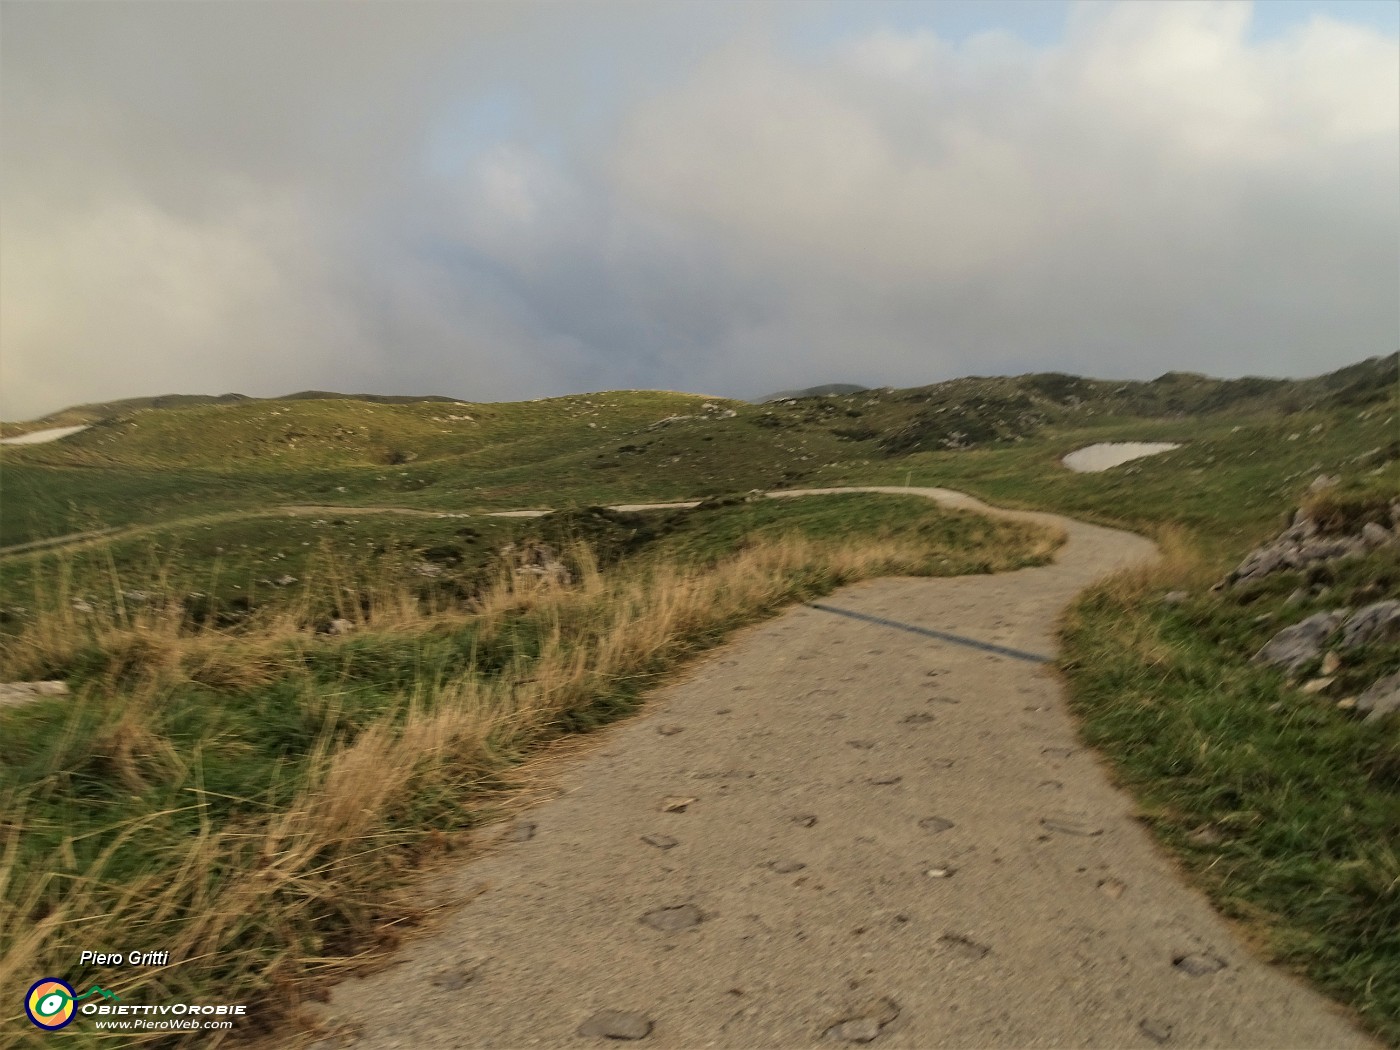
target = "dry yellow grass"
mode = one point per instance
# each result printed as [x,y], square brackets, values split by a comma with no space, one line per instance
[257,931]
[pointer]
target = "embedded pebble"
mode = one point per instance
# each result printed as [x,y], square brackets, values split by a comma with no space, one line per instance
[1157,1031]
[1068,826]
[670,730]
[940,873]
[861,745]
[455,979]
[1057,752]
[659,841]
[786,867]
[965,946]
[522,833]
[806,820]
[1113,887]
[885,778]
[866,1021]
[677,917]
[1198,964]
[616,1024]
[935,824]
[919,718]
[675,804]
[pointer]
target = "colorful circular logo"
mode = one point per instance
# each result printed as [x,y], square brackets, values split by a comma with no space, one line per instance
[49,1003]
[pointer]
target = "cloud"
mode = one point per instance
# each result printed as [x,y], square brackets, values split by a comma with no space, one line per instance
[264,198]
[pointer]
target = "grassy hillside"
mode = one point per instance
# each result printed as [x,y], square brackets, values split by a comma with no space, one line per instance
[1283,806]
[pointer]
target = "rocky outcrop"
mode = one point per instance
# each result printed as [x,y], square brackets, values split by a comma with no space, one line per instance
[536,563]
[1302,545]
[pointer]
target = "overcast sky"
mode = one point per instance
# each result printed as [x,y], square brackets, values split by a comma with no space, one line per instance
[499,201]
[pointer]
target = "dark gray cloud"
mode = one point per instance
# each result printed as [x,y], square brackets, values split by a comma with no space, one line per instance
[510,201]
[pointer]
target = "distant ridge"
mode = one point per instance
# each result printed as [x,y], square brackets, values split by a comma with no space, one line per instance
[813,391]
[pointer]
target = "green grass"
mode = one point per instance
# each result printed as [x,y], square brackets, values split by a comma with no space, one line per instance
[1283,806]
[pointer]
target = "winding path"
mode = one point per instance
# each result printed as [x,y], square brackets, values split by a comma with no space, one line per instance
[893,836]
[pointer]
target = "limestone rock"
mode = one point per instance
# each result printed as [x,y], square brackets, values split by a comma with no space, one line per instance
[1294,646]
[1381,699]
[1378,622]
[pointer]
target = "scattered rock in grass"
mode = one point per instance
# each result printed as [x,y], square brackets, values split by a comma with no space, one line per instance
[616,1024]
[659,841]
[1331,664]
[1347,703]
[1296,597]
[1198,964]
[1375,535]
[936,825]
[284,581]
[1316,685]
[1206,836]
[13,694]
[1322,483]
[675,804]
[339,626]
[1294,646]
[675,918]
[1175,597]
[1378,622]
[1381,699]
[521,833]
[136,597]
[81,606]
[786,867]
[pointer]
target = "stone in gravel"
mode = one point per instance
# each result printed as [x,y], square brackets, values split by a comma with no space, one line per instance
[936,824]
[659,841]
[81,606]
[861,745]
[1198,964]
[921,718]
[1070,826]
[806,820]
[786,867]
[863,1024]
[670,730]
[885,778]
[455,978]
[1157,1031]
[1112,887]
[616,1024]
[522,833]
[1381,699]
[964,946]
[675,804]
[672,919]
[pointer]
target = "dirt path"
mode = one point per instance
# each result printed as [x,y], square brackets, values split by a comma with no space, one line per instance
[894,836]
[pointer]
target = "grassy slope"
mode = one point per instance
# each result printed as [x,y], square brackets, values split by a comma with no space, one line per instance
[1293,808]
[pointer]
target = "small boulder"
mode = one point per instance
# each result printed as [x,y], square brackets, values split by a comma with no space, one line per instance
[1377,622]
[1381,699]
[1376,536]
[1294,646]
